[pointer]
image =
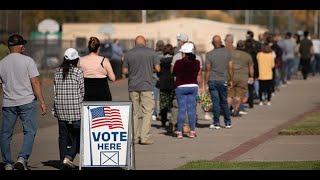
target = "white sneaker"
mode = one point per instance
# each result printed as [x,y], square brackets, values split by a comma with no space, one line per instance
[243,112]
[21,164]
[269,103]
[8,167]
[212,126]
[260,103]
[154,118]
[228,126]
[67,162]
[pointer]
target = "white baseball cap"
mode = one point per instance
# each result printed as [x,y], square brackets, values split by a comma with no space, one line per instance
[71,54]
[182,37]
[187,48]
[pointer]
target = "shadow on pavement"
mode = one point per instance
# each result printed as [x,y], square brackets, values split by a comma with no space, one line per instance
[52,163]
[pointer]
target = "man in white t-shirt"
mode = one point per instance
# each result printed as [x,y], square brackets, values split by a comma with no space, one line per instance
[21,91]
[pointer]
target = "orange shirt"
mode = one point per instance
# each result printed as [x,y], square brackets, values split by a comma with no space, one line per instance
[265,64]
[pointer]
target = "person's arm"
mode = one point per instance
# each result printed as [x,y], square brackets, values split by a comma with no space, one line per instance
[81,84]
[157,68]
[206,78]
[108,68]
[230,71]
[199,79]
[37,91]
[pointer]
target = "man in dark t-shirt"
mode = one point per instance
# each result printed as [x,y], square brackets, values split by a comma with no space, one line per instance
[306,53]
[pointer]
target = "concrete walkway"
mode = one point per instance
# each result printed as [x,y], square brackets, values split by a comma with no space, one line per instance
[240,143]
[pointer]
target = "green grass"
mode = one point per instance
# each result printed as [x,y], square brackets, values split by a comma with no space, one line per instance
[251,165]
[310,125]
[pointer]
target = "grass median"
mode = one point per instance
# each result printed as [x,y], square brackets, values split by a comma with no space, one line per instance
[309,125]
[251,165]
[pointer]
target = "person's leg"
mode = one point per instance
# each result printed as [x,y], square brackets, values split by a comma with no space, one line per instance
[63,139]
[191,106]
[182,103]
[155,92]
[223,90]
[317,59]
[9,118]
[146,103]
[290,65]
[283,72]
[135,99]
[260,90]
[250,95]
[28,117]
[268,89]
[305,68]
[74,130]
[214,92]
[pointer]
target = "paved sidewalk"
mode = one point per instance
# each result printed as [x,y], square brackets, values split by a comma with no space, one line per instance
[168,152]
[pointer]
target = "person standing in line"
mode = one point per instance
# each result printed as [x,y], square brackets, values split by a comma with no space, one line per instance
[253,47]
[265,63]
[187,70]
[97,71]
[242,67]
[68,96]
[290,47]
[166,84]
[159,51]
[306,51]
[218,78]
[116,59]
[139,63]
[21,90]
[316,56]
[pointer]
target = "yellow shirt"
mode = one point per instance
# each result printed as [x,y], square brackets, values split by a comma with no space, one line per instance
[265,64]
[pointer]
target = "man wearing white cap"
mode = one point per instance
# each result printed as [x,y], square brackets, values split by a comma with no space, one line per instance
[21,91]
[68,96]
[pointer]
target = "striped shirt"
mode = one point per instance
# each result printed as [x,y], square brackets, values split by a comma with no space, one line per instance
[68,94]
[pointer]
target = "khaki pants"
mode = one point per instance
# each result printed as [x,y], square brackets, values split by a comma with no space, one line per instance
[143,99]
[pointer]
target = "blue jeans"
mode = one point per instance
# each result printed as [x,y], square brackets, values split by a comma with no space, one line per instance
[218,91]
[155,93]
[256,87]
[289,68]
[69,132]
[27,114]
[316,64]
[187,101]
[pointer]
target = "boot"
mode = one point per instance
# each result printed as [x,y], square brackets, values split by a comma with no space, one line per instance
[164,119]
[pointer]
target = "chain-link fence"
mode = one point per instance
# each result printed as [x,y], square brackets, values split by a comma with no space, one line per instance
[48,54]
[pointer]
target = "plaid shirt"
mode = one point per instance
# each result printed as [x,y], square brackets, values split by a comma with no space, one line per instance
[68,94]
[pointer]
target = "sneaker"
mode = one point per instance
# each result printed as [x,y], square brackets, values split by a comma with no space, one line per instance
[68,163]
[260,103]
[192,134]
[269,103]
[179,135]
[21,164]
[228,126]
[212,126]
[154,117]
[243,112]
[148,142]
[8,167]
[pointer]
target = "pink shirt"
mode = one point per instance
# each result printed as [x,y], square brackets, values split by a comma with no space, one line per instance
[91,66]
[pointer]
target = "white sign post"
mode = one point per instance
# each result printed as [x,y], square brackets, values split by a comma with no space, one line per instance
[107,135]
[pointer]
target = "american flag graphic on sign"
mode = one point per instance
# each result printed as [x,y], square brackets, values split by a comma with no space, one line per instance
[105,116]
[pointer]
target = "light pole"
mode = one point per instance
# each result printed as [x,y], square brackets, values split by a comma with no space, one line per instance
[144,16]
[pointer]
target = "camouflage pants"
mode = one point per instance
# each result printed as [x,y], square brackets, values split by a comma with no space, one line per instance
[166,98]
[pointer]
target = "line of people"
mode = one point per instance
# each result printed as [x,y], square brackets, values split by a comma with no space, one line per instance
[251,69]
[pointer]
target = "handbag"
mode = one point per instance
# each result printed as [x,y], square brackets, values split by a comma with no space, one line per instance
[205,101]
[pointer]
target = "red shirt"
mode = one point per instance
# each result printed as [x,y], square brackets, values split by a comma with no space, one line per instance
[186,71]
